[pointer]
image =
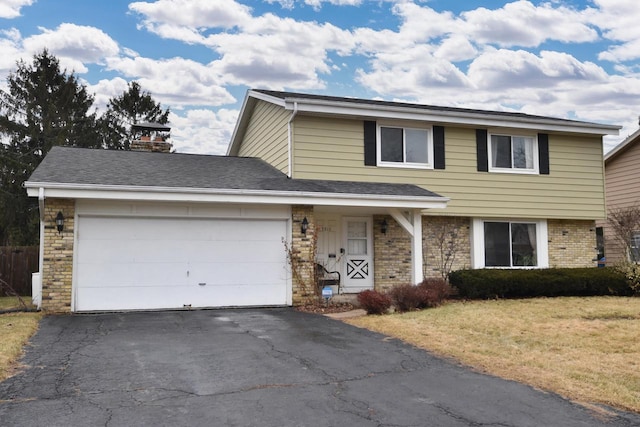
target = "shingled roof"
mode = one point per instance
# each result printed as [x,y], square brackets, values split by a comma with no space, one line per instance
[91,167]
[426,107]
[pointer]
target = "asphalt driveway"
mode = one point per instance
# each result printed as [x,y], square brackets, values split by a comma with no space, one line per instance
[258,367]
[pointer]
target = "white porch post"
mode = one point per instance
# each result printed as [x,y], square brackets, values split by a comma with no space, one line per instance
[417,274]
[412,223]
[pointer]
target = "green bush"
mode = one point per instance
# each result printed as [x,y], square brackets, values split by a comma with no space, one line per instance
[549,282]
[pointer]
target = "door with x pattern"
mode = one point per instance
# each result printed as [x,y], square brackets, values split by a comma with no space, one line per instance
[358,257]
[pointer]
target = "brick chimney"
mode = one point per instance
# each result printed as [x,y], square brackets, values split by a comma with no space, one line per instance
[150,137]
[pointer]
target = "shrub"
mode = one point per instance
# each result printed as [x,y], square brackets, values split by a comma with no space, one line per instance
[409,297]
[549,282]
[374,302]
[430,293]
[631,272]
[437,289]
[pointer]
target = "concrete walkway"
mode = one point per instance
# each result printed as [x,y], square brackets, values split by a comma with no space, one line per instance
[258,367]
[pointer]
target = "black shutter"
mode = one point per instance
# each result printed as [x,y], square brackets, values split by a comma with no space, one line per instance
[370,143]
[543,153]
[438,147]
[481,150]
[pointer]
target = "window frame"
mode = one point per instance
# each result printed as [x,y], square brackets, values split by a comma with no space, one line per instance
[404,164]
[535,170]
[634,248]
[478,248]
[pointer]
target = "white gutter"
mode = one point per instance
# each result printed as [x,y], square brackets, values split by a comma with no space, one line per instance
[115,192]
[290,139]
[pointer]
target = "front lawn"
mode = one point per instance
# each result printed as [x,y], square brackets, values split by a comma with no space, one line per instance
[15,331]
[586,349]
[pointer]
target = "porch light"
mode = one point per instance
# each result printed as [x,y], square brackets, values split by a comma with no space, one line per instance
[384,226]
[60,222]
[304,226]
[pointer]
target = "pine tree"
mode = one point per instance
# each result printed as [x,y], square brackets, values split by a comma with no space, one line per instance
[43,106]
[132,107]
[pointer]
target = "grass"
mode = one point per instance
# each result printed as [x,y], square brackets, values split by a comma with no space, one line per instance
[586,349]
[15,330]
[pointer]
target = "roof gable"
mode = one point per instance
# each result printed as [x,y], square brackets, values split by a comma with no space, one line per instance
[621,148]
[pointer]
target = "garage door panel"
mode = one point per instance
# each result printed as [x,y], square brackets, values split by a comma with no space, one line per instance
[231,251]
[229,295]
[114,251]
[131,298]
[258,274]
[155,263]
[122,275]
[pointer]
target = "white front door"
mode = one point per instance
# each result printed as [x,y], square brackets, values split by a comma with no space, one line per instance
[358,257]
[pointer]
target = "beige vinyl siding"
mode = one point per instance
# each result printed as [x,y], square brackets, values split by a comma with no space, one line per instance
[329,148]
[266,136]
[622,190]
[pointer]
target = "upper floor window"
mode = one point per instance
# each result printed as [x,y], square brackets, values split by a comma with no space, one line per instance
[513,153]
[404,146]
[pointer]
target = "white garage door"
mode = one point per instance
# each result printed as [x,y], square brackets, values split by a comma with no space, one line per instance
[154,263]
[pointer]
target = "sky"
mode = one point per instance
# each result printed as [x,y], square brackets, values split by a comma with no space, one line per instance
[574,59]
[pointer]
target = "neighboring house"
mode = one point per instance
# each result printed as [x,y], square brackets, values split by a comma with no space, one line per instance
[387,193]
[622,190]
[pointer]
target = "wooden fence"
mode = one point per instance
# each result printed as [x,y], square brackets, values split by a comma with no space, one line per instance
[17,263]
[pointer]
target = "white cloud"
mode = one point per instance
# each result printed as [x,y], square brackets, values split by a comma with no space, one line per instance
[176,82]
[202,131]
[266,51]
[11,8]
[421,24]
[193,13]
[105,89]
[504,69]
[523,24]
[618,20]
[10,50]
[74,45]
[278,53]
[456,48]
[316,4]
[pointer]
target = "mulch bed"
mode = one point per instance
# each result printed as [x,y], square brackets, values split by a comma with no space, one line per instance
[322,308]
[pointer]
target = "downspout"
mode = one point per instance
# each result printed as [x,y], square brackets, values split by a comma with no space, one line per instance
[290,139]
[36,278]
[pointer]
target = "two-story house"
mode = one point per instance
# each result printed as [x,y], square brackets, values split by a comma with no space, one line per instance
[384,193]
[622,191]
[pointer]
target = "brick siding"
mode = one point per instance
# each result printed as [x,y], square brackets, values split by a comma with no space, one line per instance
[303,250]
[572,244]
[392,254]
[57,269]
[445,236]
